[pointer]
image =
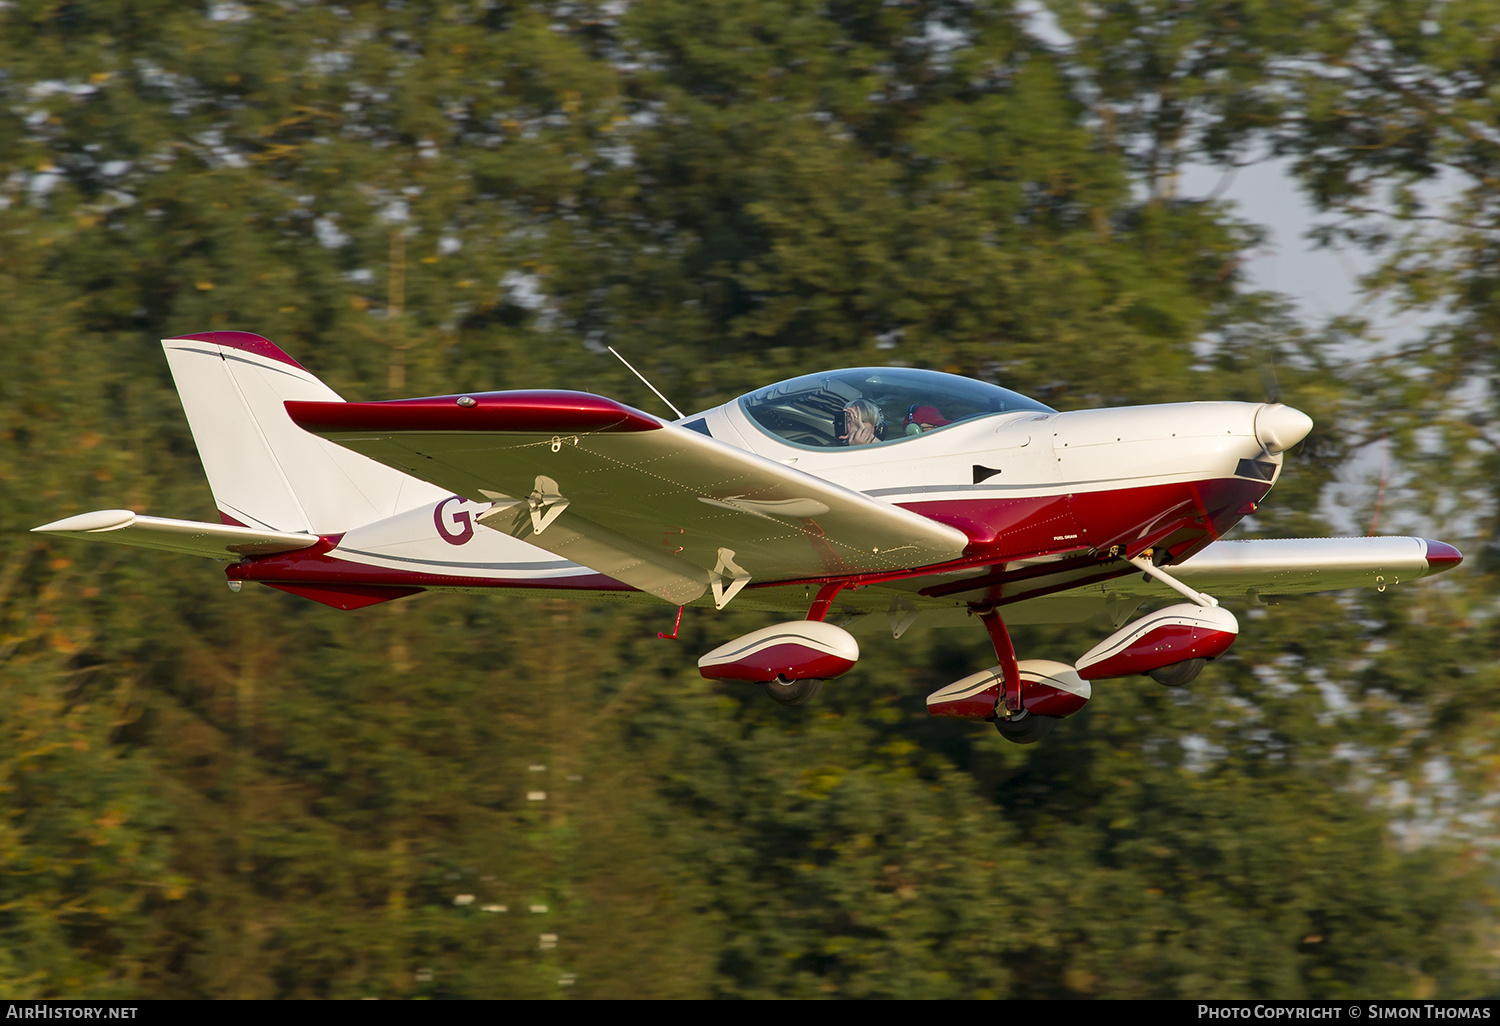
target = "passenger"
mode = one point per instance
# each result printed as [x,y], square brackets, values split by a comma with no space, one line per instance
[863,423]
[923,417]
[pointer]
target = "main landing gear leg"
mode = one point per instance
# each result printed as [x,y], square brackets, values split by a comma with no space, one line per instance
[824,601]
[1143,562]
[1008,705]
[1174,675]
[800,692]
[1012,719]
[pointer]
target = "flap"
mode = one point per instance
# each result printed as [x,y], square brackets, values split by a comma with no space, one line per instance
[190,537]
[662,508]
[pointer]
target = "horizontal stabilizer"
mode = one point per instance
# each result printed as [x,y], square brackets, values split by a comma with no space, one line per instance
[191,537]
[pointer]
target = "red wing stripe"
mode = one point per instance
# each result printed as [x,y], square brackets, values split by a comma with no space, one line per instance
[529,411]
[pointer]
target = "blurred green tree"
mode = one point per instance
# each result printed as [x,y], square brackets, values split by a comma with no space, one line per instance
[455,796]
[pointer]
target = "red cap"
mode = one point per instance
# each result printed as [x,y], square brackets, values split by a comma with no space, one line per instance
[926,414]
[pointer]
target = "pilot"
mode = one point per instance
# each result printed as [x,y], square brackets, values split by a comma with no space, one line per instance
[863,423]
[922,417]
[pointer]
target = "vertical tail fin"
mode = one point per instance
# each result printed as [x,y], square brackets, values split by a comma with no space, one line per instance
[263,469]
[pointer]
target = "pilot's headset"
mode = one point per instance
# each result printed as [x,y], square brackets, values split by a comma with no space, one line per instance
[922,413]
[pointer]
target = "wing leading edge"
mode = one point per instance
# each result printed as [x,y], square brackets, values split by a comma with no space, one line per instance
[662,508]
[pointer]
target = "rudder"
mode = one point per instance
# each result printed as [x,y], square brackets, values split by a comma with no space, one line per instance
[264,470]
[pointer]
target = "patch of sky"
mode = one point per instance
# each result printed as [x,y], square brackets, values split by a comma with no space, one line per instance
[225,10]
[154,76]
[41,183]
[524,289]
[1199,753]
[216,153]
[1274,678]
[1336,702]
[620,154]
[1040,23]
[648,116]
[941,41]
[57,87]
[329,235]
[330,62]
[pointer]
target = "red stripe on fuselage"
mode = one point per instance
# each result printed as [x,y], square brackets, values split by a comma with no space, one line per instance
[317,565]
[1003,531]
[1027,527]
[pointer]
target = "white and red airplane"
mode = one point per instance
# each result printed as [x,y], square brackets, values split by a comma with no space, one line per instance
[857,494]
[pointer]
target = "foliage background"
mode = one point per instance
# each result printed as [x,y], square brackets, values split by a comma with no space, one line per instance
[210,795]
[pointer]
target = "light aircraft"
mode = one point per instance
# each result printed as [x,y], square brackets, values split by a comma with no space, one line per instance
[889,496]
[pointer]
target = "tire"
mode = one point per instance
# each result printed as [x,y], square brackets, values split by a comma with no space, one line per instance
[797,692]
[1027,730]
[1178,674]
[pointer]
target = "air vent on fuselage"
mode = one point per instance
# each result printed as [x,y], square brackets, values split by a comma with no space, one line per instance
[1260,470]
[982,474]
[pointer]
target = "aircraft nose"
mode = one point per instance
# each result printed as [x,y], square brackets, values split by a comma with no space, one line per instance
[1279,427]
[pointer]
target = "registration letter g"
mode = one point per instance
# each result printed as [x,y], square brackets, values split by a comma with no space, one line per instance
[460,520]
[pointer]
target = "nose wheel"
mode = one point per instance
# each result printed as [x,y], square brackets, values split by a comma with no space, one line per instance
[797,692]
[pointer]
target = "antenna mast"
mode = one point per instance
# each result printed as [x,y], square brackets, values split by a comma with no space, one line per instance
[648,384]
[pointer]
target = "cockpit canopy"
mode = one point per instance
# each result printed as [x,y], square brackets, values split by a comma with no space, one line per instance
[873,405]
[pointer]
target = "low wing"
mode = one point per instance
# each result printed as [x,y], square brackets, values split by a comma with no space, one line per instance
[1295,566]
[1225,570]
[662,508]
[1076,588]
[190,537]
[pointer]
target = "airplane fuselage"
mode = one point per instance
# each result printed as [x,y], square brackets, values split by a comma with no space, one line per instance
[1035,492]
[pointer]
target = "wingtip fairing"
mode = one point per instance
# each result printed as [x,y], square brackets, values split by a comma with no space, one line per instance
[1441,557]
